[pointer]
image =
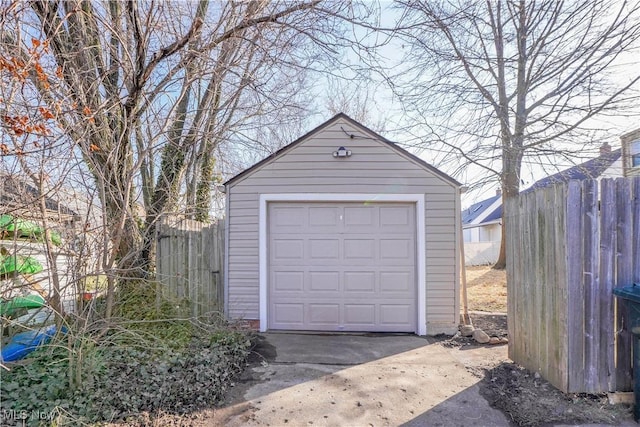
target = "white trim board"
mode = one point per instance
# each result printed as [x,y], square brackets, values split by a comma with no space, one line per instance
[418,199]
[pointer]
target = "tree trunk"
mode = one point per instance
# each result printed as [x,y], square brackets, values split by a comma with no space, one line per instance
[501,263]
[512,162]
[204,189]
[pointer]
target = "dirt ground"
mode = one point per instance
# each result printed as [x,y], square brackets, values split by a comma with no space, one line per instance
[529,400]
[523,396]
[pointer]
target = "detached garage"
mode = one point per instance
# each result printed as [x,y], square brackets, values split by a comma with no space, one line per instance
[342,230]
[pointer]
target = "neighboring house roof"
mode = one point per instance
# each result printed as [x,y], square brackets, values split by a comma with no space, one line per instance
[376,136]
[16,193]
[591,169]
[490,210]
[485,211]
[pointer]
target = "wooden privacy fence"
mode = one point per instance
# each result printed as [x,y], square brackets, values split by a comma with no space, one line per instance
[189,262]
[568,247]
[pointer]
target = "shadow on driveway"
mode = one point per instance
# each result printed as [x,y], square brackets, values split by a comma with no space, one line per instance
[354,380]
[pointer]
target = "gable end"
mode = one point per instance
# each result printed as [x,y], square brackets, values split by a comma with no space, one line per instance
[374,136]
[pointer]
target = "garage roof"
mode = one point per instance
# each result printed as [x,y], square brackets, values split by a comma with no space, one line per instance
[338,116]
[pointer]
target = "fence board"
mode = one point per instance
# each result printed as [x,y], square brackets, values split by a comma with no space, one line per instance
[636,228]
[624,276]
[560,360]
[512,222]
[531,288]
[574,220]
[521,295]
[538,287]
[548,336]
[551,334]
[591,274]
[524,286]
[603,288]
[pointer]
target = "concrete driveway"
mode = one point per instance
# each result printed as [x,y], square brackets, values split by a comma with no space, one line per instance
[364,380]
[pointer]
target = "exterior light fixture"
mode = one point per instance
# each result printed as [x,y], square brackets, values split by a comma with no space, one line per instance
[342,152]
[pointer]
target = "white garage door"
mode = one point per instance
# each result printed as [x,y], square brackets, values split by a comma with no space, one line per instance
[342,267]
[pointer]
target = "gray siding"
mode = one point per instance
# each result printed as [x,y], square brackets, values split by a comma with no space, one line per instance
[375,168]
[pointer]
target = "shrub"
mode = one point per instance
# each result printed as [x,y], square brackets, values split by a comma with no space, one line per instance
[149,361]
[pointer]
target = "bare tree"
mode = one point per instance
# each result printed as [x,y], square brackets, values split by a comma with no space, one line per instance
[499,83]
[146,93]
[357,101]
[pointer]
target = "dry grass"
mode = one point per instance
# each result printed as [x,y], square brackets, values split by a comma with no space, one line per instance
[487,289]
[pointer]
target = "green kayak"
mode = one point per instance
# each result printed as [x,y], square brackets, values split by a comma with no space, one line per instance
[7,308]
[19,264]
[24,229]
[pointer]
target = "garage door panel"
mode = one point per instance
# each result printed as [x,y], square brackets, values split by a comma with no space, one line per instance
[394,281]
[287,218]
[359,249]
[323,314]
[354,271]
[288,249]
[398,218]
[359,281]
[324,249]
[288,281]
[324,281]
[290,314]
[324,216]
[396,249]
[360,314]
[358,216]
[396,314]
